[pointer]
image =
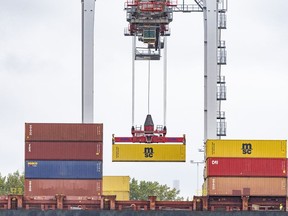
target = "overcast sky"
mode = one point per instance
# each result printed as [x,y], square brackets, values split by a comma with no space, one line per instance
[40,79]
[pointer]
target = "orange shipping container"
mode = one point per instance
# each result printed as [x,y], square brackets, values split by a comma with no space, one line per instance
[245,186]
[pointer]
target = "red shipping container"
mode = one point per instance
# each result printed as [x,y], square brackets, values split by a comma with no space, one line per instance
[265,167]
[63,132]
[71,187]
[63,150]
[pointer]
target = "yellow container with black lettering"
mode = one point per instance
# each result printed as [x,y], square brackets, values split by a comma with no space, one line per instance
[246,148]
[153,152]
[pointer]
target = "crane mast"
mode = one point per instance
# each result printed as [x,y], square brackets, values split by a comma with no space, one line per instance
[88,11]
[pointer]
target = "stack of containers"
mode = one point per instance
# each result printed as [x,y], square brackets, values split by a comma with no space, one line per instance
[63,159]
[245,168]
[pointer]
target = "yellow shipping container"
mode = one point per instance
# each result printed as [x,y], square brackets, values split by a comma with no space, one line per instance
[149,152]
[120,195]
[204,188]
[116,183]
[246,148]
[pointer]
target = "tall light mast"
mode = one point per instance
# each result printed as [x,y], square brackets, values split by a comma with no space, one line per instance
[88,7]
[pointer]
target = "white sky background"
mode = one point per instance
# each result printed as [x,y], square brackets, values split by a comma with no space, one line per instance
[40,79]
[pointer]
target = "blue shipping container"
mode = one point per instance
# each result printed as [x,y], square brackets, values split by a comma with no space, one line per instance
[38,169]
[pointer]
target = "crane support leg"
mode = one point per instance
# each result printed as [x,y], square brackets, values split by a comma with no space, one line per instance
[88,11]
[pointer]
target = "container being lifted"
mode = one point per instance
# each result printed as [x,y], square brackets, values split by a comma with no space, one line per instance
[149,145]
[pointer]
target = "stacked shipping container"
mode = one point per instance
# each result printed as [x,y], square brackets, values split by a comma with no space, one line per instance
[245,167]
[63,159]
[117,185]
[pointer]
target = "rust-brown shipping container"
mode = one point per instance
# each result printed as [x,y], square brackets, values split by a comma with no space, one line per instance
[70,187]
[245,186]
[63,132]
[63,150]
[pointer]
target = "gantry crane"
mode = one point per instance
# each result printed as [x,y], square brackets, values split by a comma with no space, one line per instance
[149,23]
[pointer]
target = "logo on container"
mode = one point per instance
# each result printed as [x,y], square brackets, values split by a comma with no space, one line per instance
[29,147]
[213,184]
[32,164]
[247,148]
[214,162]
[30,130]
[30,186]
[148,152]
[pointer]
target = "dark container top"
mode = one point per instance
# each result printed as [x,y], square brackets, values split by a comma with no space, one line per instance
[63,132]
[63,150]
[37,169]
[68,187]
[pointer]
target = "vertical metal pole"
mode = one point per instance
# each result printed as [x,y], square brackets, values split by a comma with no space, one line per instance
[197,179]
[133,77]
[88,7]
[149,86]
[210,12]
[165,81]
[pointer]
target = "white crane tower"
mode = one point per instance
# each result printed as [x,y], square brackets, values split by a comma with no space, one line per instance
[88,12]
[214,14]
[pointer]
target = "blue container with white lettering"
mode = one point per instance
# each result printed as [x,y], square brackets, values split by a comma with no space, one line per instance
[43,169]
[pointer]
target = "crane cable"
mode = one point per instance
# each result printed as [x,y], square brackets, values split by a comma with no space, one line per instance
[149,86]
[133,77]
[165,82]
[149,77]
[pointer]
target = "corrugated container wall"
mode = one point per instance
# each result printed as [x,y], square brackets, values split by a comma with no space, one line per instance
[63,132]
[63,150]
[116,183]
[245,186]
[38,169]
[149,152]
[51,187]
[268,167]
[246,148]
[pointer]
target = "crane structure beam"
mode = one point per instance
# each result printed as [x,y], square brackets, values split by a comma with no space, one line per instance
[210,12]
[187,8]
[88,12]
